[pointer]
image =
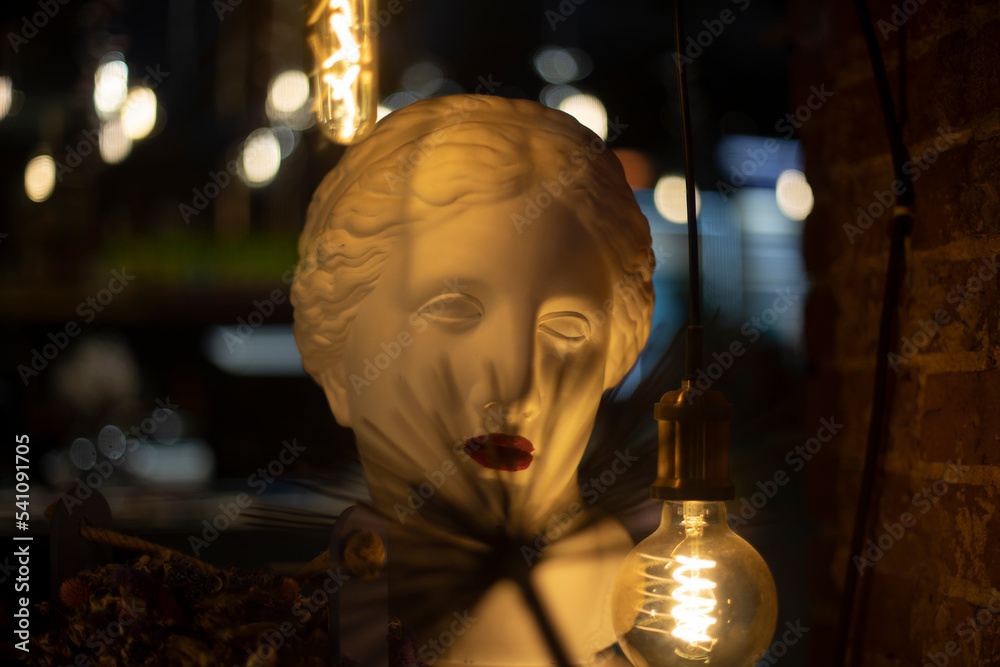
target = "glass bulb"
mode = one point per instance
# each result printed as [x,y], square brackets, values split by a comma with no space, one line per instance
[343,41]
[694,593]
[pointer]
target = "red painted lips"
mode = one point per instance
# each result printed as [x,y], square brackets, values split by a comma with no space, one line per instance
[500,451]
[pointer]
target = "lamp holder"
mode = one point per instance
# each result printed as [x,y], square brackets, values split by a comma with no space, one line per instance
[693,433]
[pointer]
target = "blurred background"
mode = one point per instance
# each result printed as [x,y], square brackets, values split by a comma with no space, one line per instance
[158,159]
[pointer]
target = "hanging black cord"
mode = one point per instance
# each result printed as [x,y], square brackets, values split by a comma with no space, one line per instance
[694,332]
[893,278]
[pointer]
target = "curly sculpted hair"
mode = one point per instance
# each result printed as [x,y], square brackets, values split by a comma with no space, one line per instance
[501,149]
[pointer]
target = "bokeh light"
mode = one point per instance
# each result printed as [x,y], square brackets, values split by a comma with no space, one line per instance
[113,142]
[111,441]
[670,198]
[589,111]
[110,86]
[795,197]
[553,94]
[82,454]
[288,92]
[6,95]
[557,65]
[40,178]
[139,112]
[261,158]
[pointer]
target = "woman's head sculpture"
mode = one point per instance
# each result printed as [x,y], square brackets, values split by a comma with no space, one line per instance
[473,276]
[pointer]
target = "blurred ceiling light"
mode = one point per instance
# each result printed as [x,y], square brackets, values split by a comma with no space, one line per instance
[670,198]
[589,111]
[556,65]
[139,112]
[6,95]
[795,197]
[40,178]
[261,158]
[288,92]
[553,94]
[110,86]
[288,101]
[423,79]
[113,142]
[398,100]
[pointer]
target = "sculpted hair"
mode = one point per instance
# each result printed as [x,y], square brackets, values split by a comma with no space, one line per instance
[532,155]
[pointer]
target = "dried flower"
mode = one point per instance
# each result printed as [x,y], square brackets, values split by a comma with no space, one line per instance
[74,593]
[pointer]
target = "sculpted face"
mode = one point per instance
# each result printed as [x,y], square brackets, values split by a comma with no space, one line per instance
[475,328]
[467,340]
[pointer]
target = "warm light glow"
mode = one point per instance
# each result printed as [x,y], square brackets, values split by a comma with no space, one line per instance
[113,142]
[139,113]
[670,198]
[40,178]
[6,95]
[695,602]
[288,92]
[345,69]
[589,111]
[795,197]
[261,157]
[693,593]
[110,86]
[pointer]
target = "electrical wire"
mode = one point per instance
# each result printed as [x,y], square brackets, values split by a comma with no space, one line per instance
[694,331]
[881,392]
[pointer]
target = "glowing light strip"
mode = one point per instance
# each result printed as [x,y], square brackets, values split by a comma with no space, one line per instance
[695,600]
[345,77]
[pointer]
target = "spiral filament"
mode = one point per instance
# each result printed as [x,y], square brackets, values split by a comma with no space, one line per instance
[345,69]
[693,593]
[695,601]
[678,581]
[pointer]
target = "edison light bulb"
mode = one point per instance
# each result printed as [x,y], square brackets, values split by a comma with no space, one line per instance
[694,593]
[344,47]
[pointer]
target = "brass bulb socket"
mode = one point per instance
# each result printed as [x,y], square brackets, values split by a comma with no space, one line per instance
[693,461]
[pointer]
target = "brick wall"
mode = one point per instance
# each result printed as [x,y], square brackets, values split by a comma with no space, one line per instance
[938,564]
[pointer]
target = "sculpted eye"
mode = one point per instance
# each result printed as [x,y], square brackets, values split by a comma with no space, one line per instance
[567,326]
[453,308]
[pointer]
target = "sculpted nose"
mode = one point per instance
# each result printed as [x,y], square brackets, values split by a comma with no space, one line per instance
[500,416]
[517,379]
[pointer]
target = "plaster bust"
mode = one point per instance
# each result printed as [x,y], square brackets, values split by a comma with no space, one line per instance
[473,277]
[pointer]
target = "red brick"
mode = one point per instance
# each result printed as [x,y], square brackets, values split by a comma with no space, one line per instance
[961,417]
[891,603]
[910,603]
[957,195]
